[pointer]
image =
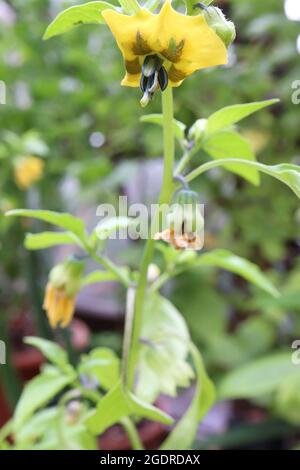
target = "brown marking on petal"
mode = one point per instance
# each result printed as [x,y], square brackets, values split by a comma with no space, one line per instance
[174,51]
[133,66]
[176,75]
[141,46]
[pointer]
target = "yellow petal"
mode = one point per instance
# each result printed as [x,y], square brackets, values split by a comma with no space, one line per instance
[186,42]
[68,312]
[134,36]
[194,44]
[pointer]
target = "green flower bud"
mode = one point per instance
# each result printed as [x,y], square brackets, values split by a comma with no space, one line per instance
[217,21]
[197,130]
[67,276]
[186,216]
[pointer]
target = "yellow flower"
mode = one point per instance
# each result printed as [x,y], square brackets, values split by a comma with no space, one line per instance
[62,288]
[180,44]
[59,307]
[28,170]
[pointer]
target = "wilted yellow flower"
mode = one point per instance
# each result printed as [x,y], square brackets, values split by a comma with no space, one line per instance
[185,222]
[183,241]
[62,288]
[180,44]
[28,170]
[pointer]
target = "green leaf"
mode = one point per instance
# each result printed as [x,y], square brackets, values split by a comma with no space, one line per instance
[226,260]
[228,116]
[183,435]
[52,351]
[229,144]
[118,404]
[286,172]
[39,391]
[258,378]
[179,127]
[163,354]
[37,426]
[98,276]
[110,226]
[40,241]
[63,220]
[89,13]
[103,364]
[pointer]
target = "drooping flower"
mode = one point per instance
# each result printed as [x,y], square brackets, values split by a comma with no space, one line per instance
[177,45]
[63,285]
[185,222]
[27,171]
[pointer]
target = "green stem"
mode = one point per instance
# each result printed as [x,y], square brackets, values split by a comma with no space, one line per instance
[185,159]
[110,266]
[132,433]
[129,318]
[67,338]
[165,196]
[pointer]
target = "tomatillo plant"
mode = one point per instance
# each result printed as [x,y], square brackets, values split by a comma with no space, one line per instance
[161,48]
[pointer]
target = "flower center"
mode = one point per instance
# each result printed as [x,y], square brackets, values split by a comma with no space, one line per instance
[154,76]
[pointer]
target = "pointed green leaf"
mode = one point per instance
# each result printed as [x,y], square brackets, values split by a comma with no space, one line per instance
[40,241]
[52,351]
[63,220]
[229,144]
[88,13]
[258,378]
[39,391]
[286,172]
[118,404]
[228,116]
[226,260]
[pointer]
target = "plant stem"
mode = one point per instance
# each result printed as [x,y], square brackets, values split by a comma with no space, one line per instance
[110,266]
[129,317]
[164,198]
[132,433]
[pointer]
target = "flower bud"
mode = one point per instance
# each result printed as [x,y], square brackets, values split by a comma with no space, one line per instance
[216,19]
[63,285]
[197,130]
[68,276]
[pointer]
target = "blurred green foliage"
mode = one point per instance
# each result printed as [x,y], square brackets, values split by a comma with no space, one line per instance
[67,93]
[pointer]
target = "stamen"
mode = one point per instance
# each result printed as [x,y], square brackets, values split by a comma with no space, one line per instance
[163,78]
[151,65]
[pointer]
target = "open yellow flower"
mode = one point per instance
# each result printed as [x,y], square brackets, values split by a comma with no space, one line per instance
[181,44]
[27,171]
